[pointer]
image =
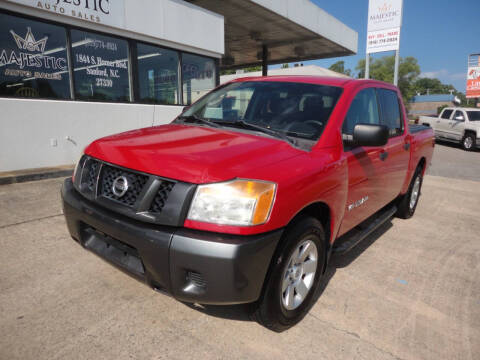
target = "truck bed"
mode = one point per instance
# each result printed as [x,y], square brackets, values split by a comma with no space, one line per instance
[415,128]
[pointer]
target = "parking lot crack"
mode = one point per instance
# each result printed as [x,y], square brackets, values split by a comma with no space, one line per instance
[350,333]
[29,221]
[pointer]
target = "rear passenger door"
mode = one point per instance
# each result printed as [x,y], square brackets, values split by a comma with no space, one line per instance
[397,151]
[442,123]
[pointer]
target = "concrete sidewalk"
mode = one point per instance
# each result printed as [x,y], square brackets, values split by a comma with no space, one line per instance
[410,291]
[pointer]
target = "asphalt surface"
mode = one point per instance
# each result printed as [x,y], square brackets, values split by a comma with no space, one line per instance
[450,160]
[411,290]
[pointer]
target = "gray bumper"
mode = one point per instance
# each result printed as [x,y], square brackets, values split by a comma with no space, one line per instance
[193,266]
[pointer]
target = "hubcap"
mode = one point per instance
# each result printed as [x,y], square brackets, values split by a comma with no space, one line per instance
[297,279]
[415,192]
[468,142]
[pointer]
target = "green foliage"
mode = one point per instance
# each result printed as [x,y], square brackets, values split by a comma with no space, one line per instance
[247,70]
[383,69]
[285,66]
[339,67]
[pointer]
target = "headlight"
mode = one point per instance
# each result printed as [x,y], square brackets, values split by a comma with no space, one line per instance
[237,202]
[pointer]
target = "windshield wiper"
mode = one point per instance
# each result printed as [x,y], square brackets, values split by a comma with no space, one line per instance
[272,132]
[197,118]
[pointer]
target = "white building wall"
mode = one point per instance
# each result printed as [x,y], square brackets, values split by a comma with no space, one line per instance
[30,128]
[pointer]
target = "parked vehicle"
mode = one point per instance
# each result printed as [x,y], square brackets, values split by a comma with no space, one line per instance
[246,195]
[460,125]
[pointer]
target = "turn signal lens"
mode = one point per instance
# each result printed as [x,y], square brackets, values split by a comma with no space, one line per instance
[237,202]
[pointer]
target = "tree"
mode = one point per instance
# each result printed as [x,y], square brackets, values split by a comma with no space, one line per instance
[285,66]
[383,68]
[339,67]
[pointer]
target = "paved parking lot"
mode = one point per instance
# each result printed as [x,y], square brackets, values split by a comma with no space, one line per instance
[409,291]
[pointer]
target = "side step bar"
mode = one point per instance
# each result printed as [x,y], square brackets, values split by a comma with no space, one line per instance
[351,239]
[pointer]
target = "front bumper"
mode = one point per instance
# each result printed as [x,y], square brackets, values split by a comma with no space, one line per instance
[192,266]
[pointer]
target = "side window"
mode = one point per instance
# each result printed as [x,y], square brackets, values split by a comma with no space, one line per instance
[33,59]
[363,110]
[390,109]
[458,116]
[446,114]
[100,66]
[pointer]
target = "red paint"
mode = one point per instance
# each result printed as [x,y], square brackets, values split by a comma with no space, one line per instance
[326,174]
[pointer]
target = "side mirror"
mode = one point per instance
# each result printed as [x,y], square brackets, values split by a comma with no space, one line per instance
[370,135]
[459,118]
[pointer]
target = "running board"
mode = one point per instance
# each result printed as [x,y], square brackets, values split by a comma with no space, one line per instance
[351,239]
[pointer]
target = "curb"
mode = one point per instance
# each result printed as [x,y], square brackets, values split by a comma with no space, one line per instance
[40,175]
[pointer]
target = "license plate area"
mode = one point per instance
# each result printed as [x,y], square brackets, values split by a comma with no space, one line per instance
[114,251]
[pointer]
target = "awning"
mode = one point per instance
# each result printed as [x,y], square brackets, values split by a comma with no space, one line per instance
[291,30]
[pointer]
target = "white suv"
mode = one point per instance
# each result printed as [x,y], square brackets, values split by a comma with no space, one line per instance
[456,124]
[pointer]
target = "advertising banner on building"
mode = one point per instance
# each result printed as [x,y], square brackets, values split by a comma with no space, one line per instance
[106,12]
[384,22]
[473,77]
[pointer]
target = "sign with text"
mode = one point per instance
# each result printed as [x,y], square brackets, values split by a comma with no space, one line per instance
[384,22]
[383,40]
[473,81]
[384,14]
[106,12]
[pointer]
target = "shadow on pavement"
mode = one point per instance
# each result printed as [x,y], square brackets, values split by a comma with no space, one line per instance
[242,312]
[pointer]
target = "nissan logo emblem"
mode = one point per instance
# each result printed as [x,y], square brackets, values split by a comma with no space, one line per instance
[120,186]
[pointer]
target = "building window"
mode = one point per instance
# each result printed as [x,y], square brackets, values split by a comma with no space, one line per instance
[33,59]
[100,65]
[157,75]
[198,77]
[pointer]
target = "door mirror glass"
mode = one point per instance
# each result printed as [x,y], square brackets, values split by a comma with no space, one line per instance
[370,135]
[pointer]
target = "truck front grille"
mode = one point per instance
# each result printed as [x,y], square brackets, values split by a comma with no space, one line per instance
[136,183]
[97,181]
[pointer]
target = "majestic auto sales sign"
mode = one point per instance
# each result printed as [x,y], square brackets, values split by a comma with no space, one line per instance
[107,12]
[384,22]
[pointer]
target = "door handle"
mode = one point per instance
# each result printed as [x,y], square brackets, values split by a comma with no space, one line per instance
[438,121]
[406,146]
[383,155]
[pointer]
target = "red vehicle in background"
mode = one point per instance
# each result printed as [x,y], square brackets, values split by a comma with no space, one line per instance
[246,195]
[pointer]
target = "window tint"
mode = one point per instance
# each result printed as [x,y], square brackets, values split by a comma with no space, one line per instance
[100,65]
[363,110]
[458,114]
[157,74]
[473,115]
[198,77]
[33,59]
[446,114]
[390,110]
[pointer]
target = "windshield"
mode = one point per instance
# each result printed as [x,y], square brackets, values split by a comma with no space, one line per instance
[288,109]
[473,115]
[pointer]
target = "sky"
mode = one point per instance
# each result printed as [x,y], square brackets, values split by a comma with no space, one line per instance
[439,33]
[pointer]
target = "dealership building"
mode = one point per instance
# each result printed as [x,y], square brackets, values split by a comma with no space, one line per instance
[72,71]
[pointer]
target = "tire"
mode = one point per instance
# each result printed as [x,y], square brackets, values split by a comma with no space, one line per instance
[275,309]
[468,141]
[408,202]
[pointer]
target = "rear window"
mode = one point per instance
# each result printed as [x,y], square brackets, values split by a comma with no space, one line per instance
[446,114]
[473,115]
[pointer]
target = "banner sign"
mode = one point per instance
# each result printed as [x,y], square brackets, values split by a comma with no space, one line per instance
[383,40]
[384,22]
[473,82]
[106,12]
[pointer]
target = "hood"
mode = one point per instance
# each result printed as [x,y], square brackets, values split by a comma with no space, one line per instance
[192,154]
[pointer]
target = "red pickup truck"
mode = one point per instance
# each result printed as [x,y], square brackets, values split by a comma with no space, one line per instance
[245,196]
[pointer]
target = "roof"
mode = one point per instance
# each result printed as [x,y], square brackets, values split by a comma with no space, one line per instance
[293,30]
[433,98]
[298,70]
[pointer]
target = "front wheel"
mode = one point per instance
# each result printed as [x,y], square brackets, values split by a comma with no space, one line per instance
[294,276]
